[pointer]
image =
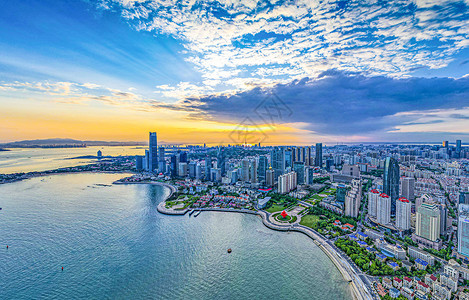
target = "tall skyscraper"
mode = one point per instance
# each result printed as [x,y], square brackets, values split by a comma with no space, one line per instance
[173,165]
[408,186]
[153,151]
[318,158]
[309,176]
[463,229]
[373,203]
[221,160]
[299,168]
[391,181]
[245,170]
[458,146]
[138,163]
[208,167]
[443,218]
[146,161]
[445,144]
[383,209]
[161,160]
[198,172]
[277,160]
[192,169]
[288,159]
[428,222]
[262,168]
[403,209]
[353,199]
[341,192]
[463,197]
[270,177]
[287,182]
[253,171]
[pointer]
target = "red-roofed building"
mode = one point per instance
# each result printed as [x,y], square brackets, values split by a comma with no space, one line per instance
[422,286]
[407,282]
[430,279]
[374,191]
[397,282]
[403,199]
[384,195]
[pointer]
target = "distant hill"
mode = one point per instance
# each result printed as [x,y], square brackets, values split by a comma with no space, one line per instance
[65,143]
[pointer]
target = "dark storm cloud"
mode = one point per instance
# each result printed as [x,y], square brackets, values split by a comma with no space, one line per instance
[339,103]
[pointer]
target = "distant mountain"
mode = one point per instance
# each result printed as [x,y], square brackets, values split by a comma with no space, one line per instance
[62,143]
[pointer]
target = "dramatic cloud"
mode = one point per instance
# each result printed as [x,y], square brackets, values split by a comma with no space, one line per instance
[230,42]
[337,103]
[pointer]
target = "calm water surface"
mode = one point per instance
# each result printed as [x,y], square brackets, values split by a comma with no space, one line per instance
[37,159]
[113,244]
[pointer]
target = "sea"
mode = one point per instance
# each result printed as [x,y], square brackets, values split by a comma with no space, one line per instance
[113,244]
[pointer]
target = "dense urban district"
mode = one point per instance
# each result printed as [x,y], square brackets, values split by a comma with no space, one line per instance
[394,217]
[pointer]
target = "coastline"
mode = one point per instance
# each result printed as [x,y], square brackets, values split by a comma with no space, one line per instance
[358,289]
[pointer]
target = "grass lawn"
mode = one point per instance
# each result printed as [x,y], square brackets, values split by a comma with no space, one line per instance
[309,220]
[282,219]
[316,197]
[275,207]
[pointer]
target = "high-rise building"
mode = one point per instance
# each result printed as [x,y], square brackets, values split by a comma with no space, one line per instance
[215,174]
[288,159]
[341,192]
[458,146]
[173,165]
[463,229]
[408,186]
[198,172]
[208,167]
[287,182]
[351,170]
[182,156]
[391,181]
[428,222]
[153,152]
[353,199]
[445,144]
[463,197]
[245,170]
[443,218]
[309,176]
[383,209]
[403,210]
[318,157]
[262,168]
[146,161]
[221,160]
[138,163]
[329,164]
[299,168]
[308,157]
[192,167]
[270,177]
[182,169]
[277,160]
[372,203]
[253,171]
[161,160]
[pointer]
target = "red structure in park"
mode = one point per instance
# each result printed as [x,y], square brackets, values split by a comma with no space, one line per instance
[284,214]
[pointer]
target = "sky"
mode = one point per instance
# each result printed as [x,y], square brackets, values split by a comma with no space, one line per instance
[230,71]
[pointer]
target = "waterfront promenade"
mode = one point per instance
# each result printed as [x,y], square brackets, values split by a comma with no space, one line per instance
[361,287]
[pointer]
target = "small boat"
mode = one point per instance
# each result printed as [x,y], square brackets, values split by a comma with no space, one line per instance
[229,250]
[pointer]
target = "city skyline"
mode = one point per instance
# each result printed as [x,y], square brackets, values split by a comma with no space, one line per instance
[288,73]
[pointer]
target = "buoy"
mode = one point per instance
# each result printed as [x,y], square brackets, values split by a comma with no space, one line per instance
[7,246]
[62,268]
[229,250]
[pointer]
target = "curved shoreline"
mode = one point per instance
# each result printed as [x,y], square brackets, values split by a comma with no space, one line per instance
[358,289]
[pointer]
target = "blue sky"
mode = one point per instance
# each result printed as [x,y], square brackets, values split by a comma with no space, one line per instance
[348,71]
